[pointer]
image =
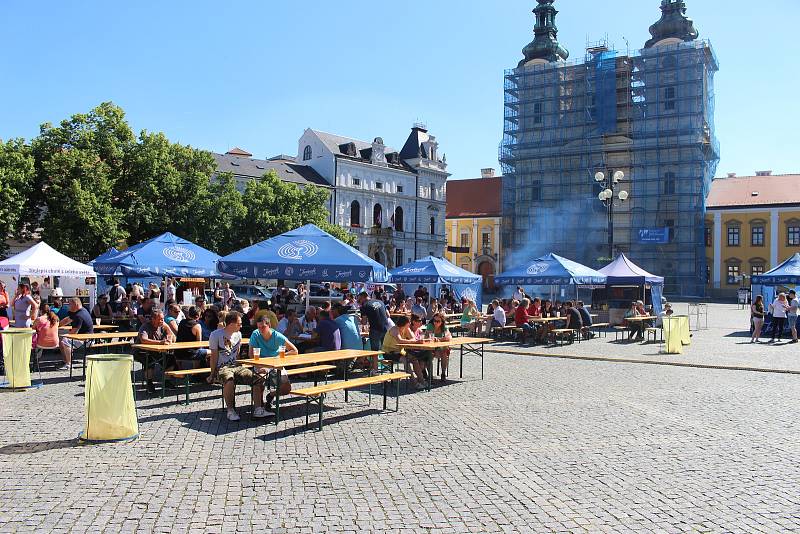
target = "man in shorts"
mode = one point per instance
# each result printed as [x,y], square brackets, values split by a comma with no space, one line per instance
[269,341]
[81,322]
[225,344]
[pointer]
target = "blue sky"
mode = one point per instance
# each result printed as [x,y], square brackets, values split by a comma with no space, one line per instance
[255,74]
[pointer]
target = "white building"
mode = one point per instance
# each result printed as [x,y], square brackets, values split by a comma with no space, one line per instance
[393,200]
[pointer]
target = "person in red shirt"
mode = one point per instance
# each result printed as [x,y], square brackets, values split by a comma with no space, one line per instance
[521,318]
[535,309]
[4,302]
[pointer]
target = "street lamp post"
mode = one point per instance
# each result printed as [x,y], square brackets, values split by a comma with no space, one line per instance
[607,196]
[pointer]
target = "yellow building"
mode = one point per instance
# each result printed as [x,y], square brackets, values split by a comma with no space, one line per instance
[473,225]
[752,225]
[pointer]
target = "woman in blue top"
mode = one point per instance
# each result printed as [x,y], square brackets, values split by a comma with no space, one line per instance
[270,341]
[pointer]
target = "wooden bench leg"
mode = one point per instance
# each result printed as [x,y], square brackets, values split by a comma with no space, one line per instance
[321,401]
[385,388]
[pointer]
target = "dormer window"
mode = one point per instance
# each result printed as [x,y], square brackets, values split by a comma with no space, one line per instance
[307,153]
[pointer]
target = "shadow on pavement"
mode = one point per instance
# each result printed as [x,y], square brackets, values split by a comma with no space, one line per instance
[34,447]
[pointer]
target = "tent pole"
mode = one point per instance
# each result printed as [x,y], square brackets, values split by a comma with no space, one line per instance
[308,294]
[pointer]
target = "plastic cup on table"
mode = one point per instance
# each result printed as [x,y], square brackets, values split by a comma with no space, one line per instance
[256,353]
[282,351]
[97,321]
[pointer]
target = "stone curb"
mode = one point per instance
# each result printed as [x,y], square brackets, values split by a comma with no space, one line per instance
[647,362]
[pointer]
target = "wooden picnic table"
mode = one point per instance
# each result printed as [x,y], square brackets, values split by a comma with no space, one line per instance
[97,328]
[546,319]
[301,360]
[159,352]
[641,318]
[468,345]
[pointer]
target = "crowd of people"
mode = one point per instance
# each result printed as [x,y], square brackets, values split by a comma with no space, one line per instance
[781,314]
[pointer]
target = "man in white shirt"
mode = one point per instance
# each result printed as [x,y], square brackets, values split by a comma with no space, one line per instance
[309,320]
[170,290]
[499,316]
[519,294]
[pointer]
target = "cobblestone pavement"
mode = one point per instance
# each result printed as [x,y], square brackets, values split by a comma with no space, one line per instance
[725,343]
[540,445]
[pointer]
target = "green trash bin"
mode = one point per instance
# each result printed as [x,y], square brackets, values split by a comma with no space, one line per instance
[17,345]
[110,407]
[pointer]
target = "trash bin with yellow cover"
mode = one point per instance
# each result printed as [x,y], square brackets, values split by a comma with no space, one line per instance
[110,407]
[676,333]
[17,344]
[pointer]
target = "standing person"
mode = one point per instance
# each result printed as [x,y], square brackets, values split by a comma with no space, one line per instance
[25,307]
[519,293]
[779,308]
[170,290]
[225,344]
[44,289]
[757,316]
[227,294]
[115,294]
[81,323]
[791,316]
[137,291]
[373,313]
[103,310]
[4,300]
[217,295]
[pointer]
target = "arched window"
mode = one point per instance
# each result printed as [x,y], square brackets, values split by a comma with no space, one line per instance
[377,215]
[355,213]
[307,153]
[433,225]
[398,219]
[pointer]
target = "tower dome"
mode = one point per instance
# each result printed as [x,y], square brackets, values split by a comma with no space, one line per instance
[544,48]
[673,26]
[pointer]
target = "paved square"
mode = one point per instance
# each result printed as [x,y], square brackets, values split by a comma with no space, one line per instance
[540,445]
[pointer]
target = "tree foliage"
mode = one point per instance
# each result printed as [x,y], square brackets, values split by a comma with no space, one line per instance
[90,183]
[16,180]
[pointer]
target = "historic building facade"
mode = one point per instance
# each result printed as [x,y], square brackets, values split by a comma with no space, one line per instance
[751,226]
[394,200]
[474,220]
[646,118]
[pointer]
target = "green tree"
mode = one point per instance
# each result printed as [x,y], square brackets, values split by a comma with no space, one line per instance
[80,220]
[275,207]
[218,216]
[16,177]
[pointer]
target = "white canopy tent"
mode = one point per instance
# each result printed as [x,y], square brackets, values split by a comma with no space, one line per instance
[41,261]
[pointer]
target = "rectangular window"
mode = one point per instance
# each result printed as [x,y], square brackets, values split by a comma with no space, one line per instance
[669,99]
[465,240]
[398,257]
[485,243]
[537,113]
[670,224]
[793,236]
[536,190]
[433,191]
[669,183]
[733,274]
[379,185]
[733,236]
[709,237]
[757,236]
[357,182]
[399,188]
[756,270]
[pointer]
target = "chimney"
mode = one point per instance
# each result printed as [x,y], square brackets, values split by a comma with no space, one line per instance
[487,173]
[763,173]
[731,175]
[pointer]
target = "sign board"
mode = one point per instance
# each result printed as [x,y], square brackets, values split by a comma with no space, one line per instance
[654,235]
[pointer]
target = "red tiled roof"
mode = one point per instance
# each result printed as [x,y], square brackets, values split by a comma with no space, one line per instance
[236,151]
[745,191]
[475,198]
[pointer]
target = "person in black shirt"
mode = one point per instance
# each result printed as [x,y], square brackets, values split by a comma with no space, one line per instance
[586,319]
[81,322]
[373,312]
[574,320]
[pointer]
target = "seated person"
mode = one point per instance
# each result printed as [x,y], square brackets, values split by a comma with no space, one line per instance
[102,310]
[81,322]
[309,320]
[155,332]
[586,318]
[267,339]
[535,309]
[635,327]
[521,319]
[290,325]
[397,336]
[224,345]
[328,332]
[666,312]
[171,319]
[438,329]
[498,315]
[61,310]
[190,330]
[209,322]
[46,326]
[574,320]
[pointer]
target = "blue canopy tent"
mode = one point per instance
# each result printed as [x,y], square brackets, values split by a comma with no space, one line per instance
[552,270]
[623,272]
[438,272]
[306,253]
[110,253]
[785,274]
[165,255]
